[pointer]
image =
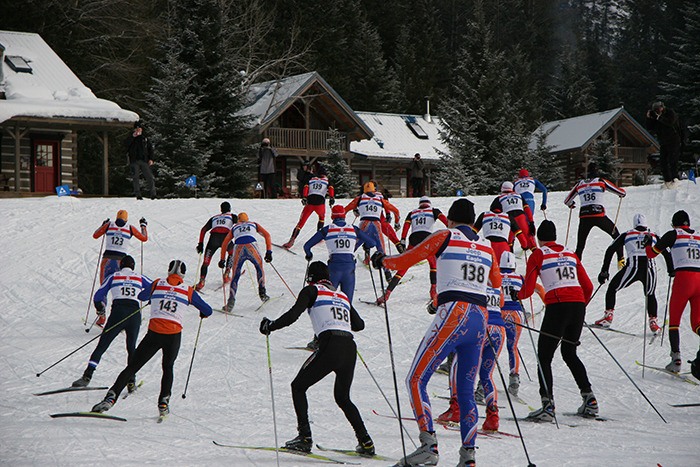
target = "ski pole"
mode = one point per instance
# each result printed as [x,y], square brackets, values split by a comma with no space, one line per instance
[644,344]
[384,396]
[94,279]
[272,397]
[199,263]
[625,372]
[510,402]
[523,362]
[89,328]
[283,281]
[393,365]
[668,299]
[374,286]
[194,350]
[306,272]
[619,204]
[553,336]
[97,336]
[568,224]
[593,294]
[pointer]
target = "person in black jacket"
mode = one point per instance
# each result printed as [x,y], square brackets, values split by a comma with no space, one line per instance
[333,320]
[665,123]
[140,152]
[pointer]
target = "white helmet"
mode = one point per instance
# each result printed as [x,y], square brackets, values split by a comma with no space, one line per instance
[424,200]
[639,220]
[507,260]
[506,186]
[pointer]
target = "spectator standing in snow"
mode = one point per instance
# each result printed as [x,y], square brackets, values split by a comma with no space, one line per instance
[140,152]
[266,162]
[303,176]
[417,168]
[665,123]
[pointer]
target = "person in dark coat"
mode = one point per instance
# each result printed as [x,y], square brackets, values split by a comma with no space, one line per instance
[303,176]
[140,152]
[665,123]
[417,176]
[266,162]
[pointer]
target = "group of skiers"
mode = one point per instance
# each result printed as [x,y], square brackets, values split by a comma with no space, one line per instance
[475,296]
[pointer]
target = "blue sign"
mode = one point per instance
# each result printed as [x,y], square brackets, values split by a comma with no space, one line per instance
[63,190]
[691,176]
[191,181]
[460,193]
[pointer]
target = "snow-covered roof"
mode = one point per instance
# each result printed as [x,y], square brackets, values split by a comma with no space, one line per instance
[394,139]
[577,132]
[51,89]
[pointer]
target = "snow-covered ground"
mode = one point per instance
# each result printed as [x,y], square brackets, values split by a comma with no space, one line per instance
[48,264]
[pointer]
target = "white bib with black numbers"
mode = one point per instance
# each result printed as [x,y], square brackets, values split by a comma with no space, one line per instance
[222,222]
[169,301]
[117,238]
[511,201]
[558,269]
[686,250]
[341,239]
[243,232]
[318,186]
[524,185]
[126,285]
[493,300]
[495,225]
[422,220]
[633,242]
[511,281]
[591,192]
[370,207]
[330,311]
[464,265]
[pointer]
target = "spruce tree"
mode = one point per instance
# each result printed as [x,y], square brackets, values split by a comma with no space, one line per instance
[571,94]
[543,164]
[339,173]
[607,164]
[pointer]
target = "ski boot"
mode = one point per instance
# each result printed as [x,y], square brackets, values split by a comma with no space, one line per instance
[200,284]
[589,408]
[131,385]
[101,318]
[444,368]
[479,394]
[452,412]
[514,384]
[492,419]
[427,452]
[545,414]
[695,366]
[365,446]
[263,294]
[164,406]
[106,404]
[675,365]
[84,380]
[290,243]
[606,320]
[467,457]
[228,308]
[300,443]
[654,324]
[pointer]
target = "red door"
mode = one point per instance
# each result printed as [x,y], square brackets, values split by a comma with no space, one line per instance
[45,165]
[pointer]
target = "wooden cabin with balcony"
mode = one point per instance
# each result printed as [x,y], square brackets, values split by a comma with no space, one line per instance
[573,139]
[297,114]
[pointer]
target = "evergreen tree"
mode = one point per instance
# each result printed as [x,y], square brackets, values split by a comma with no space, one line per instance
[543,164]
[607,164]
[177,128]
[571,92]
[339,173]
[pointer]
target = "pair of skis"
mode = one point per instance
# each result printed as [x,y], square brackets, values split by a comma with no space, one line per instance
[310,455]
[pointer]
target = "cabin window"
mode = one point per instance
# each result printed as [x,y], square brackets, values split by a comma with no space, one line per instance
[18,64]
[415,127]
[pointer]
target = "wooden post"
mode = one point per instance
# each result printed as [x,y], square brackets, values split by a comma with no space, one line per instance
[17,136]
[104,139]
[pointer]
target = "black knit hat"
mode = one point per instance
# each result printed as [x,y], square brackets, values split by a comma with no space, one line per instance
[462,211]
[547,231]
[127,262]
[680,219]
[225,206]
[317,271]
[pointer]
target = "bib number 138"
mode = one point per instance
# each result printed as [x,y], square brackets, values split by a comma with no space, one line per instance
[473,272]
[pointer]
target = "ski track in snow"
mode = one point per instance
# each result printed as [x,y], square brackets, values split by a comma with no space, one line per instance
[49,260]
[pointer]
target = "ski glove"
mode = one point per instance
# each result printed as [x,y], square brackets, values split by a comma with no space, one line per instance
[397,226]
[106,221]
[388,218]
[531,226]
[100,307]
[331,202]
[513,294]
[378,259]
[572,205]
[672,273]
[309,257]
[647,240]
[143,222]
[200,247]
[266,326]
[304,201]
[356,212]
[431,308]
[603,276]
[543,207]
[222,264]
[268,256]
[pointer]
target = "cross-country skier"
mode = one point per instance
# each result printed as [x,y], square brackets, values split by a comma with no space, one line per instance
[420,222]
[117,235]
[567,290]
[592,213]
[465,264]
[525,186]
[333,320]
[218,227]
[314,200]
[684,244]
[370,206]
[244,249]
[125,315]
[494,225]
[637,268]
[521,225]
[169,299]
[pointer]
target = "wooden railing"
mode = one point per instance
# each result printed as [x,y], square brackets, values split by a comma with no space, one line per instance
[312,140]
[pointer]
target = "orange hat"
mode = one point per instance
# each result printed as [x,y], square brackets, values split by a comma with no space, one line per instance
[123,215]
[242,217]
[369,187]
[338,212]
